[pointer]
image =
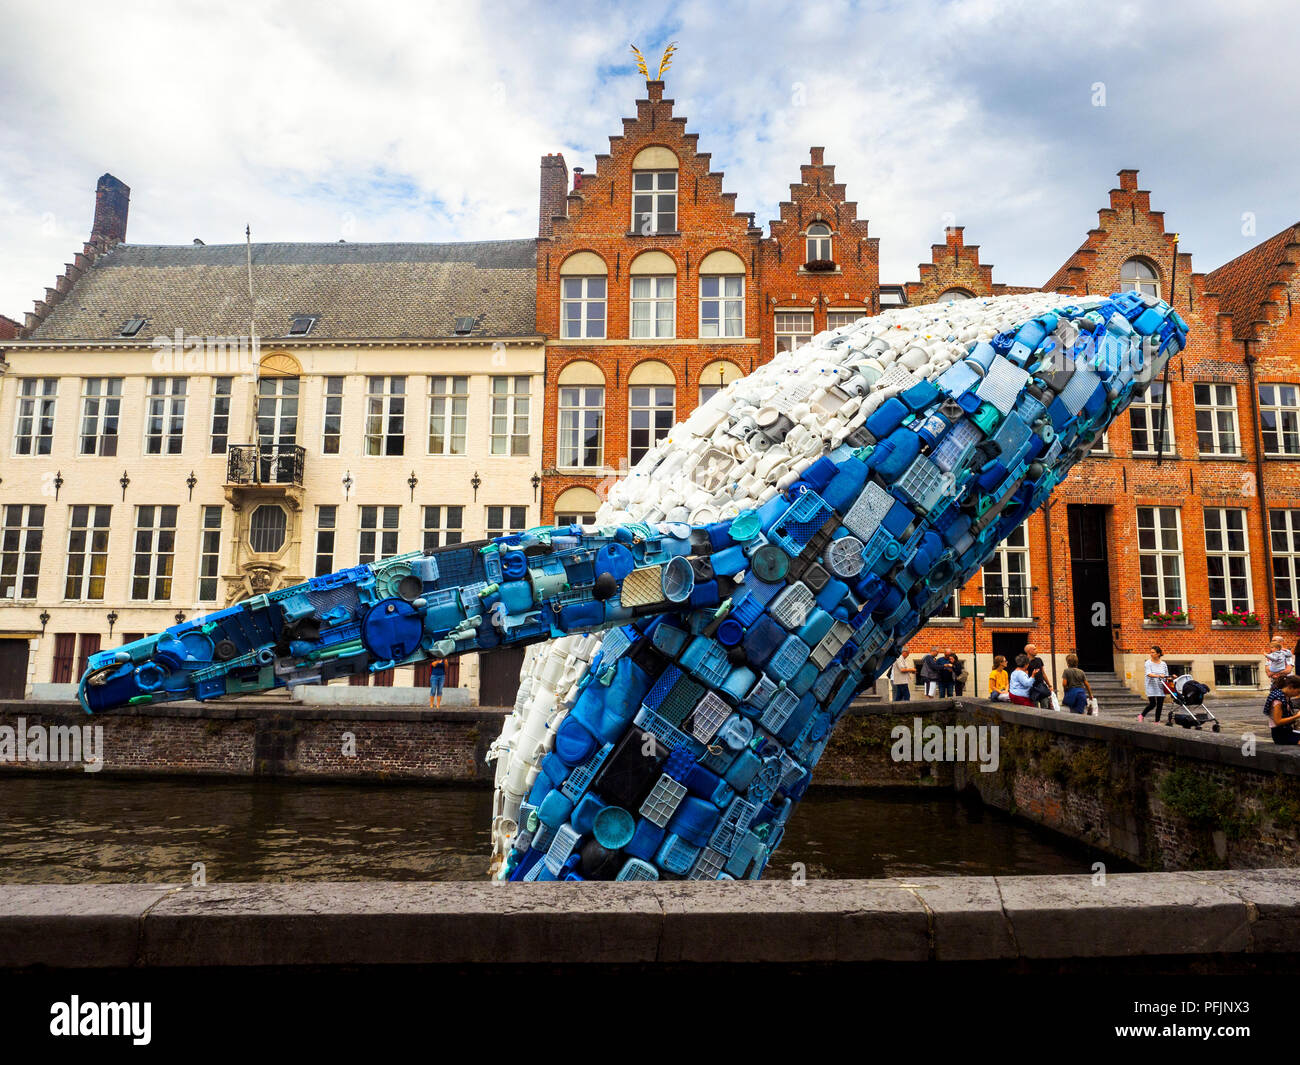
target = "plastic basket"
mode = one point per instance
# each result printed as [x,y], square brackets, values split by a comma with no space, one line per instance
[868,510]
[748,611]
[779,709]
[662,686]
[1002,385]
[792,607]
[665,733]
[787,659]
[566,838]
[923,483]
[956,445]
[636,869]
[737,819]
[616,641]
[707,659]
[660,805]
[677,707]
[761,692]
[800,523]
[707,866]
[669,639]
[676,855]
[708,716]
[580,778]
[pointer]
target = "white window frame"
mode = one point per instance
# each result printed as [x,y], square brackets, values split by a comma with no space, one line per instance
[572,421]
[841,317]
[1010,563]
[223,389]
[1282,403]
[1222,526]
[37,404]
[1216,412]
[510,402]
[327,530]
[333,387]
[209,553]
[101,414]
[1166,563]
[652,189]
[589,327]
[154,546]
[438,528]
[508,510]
[815,243]
[574,517]
[21,542]
[385,415]
[1134,280]
[644,404]
[1284,547]
[88,554]
[164,415]
[1149,408]
[659,302]
[448,414]
[792,328]
[383,530]
[722,306]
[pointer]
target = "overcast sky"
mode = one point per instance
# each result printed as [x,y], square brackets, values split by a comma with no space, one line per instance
[418,120]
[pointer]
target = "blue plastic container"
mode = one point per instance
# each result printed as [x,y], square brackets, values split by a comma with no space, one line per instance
[613,827]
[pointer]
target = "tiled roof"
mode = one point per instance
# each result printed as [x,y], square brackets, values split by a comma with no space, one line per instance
[358,291]
[1242,284]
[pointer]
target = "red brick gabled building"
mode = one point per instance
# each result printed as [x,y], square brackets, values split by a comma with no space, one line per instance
[647,290]
[955,272]
[820,268]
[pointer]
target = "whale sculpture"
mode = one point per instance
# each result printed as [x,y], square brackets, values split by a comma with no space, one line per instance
[756,570]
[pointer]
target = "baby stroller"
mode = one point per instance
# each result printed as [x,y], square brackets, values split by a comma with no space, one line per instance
[1189,708]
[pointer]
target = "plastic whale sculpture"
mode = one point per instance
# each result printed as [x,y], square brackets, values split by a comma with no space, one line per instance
[752,574]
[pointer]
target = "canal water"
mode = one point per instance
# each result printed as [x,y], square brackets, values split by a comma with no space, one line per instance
[88,829]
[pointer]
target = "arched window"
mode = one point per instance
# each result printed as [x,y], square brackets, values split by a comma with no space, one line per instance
[576,506]
[651,407]
[654,296]
[722,295]
[819,243]
[266,529]
[583,296]
[1139,275]
[715,377]
[581,442]
[654,191]
[955,294]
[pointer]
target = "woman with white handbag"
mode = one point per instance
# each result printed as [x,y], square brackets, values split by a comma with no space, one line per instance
[1078,692]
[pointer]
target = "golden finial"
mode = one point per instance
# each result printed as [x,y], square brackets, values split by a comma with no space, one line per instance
[667,60]
[640,62]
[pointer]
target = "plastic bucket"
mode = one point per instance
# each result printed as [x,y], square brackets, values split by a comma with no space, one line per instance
[677,579]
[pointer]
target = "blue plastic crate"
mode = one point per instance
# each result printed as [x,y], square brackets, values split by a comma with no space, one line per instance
[579,780]
[661,687]
[779,709]
[1002,385]
[748,611]
[738,817]
[764,688]
[668,735]
[799,524]
[707,659]
[707,866]
[616,641]
[669,639]
[787,658]
[924,483]
[636,869]
[676,855]
[831,644]
[868,510]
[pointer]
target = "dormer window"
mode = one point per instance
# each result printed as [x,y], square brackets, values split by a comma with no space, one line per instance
[131,327]
[464,326]
[819,244]
[301,324]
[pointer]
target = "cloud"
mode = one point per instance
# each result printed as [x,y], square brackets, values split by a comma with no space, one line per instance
[425,122]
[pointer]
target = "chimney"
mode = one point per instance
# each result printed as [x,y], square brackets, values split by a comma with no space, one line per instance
[555,187]
[112,202]
[954,236]
[817,155]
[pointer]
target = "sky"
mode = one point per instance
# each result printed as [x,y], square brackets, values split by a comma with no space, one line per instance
[424,121]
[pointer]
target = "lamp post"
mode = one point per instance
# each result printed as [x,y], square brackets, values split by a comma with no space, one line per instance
[112,620]
[535,482]
[412,481]
[180,616]
[190,482]
[474,482]
[44,620]
[347,485]
[124,480]
[58,484]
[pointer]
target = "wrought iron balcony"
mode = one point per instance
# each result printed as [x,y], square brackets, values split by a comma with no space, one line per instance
[252,464]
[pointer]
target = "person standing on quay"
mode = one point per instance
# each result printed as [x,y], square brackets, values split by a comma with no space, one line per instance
[898,677]
[1154,668]
[437,677]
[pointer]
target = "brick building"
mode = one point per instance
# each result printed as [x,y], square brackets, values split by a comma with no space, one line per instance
[653,291]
